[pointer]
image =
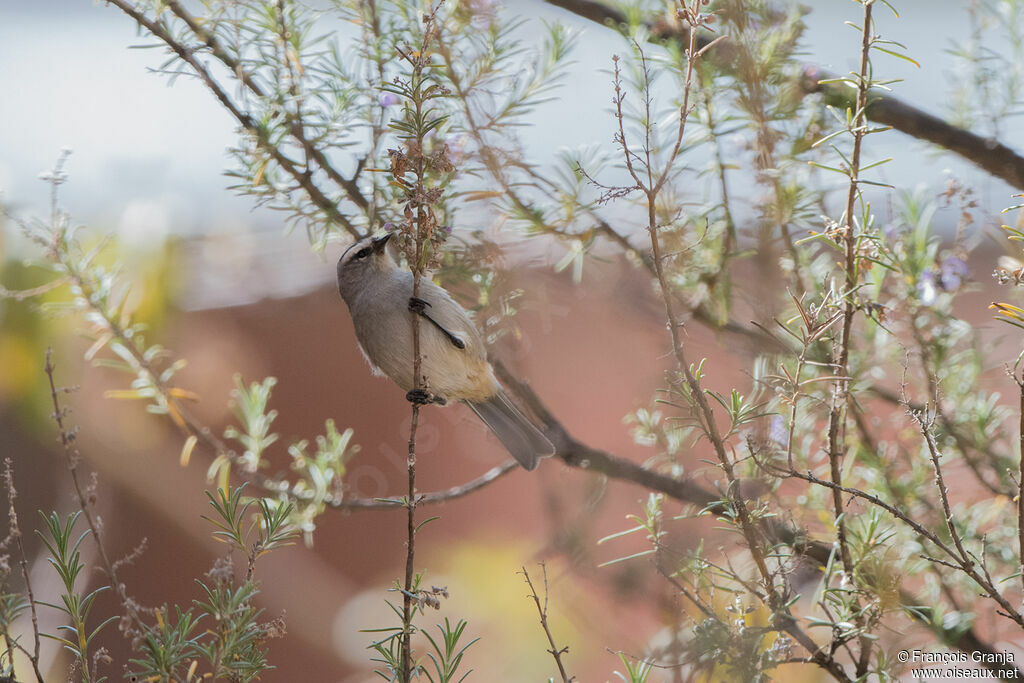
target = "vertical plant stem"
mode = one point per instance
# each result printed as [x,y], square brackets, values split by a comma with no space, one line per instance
[1020,483]
[651,187]
[410,548]
[15,533]
[408,604]
[841,390]
[421,234]
[72,457]
[705,413]
[925,423]
[542,610]
[729,243]
[791,427]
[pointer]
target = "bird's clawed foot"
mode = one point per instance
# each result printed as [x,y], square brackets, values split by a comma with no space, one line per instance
[422,397]
[417,305]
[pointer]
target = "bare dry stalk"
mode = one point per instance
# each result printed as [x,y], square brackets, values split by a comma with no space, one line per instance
[651,188]
[410,503]
[961,561]
[1020,481]
[841,389]
[72,457]
[422,226]
[15,533]
[188,55]
[542,610]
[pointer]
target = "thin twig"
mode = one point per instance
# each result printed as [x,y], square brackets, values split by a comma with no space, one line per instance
[422,226]
[747,527]
[965,443]
[497,162]
[187,55]
[841,389]
[705,413]
[431,498]
[15,533]
[71,459]
[924,423]
[964,563]
[1020,481]
[555,651]
[22,294]
[992,156]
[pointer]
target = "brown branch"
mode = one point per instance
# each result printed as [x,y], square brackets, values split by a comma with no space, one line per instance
[1020,482]
[187,55]
[296,128]
[555,651]
[837,445]
[15,534]
[779,532]
[408,598]
[575,453]
[72,457]
[432,498]
[988,154]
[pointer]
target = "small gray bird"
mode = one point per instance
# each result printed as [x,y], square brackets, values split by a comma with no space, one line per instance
[454,360]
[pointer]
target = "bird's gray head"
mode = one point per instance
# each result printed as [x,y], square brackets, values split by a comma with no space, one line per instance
[361,264]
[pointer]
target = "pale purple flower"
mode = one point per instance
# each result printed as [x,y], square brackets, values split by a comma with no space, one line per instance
[952,273]
[892,231]
[387,99]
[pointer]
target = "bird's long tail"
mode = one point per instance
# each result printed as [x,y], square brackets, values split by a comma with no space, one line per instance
[522,439]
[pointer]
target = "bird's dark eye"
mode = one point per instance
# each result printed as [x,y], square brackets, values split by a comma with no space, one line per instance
[363,253]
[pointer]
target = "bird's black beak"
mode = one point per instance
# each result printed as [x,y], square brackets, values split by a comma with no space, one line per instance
[380,242]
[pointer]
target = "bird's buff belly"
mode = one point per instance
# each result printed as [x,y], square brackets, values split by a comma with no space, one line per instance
[448,375]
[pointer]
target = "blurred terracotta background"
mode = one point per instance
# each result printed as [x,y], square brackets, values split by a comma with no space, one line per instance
[589,350]
[586,350]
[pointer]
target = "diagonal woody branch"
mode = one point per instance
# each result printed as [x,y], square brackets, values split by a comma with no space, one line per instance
[989,155]
[776,530]
[301,176]
[296,128]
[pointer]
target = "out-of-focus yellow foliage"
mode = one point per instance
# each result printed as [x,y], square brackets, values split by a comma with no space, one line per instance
[47,319]
[19,366]
[494,598]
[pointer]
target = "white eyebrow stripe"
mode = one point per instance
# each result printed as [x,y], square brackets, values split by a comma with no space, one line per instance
[365,240]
